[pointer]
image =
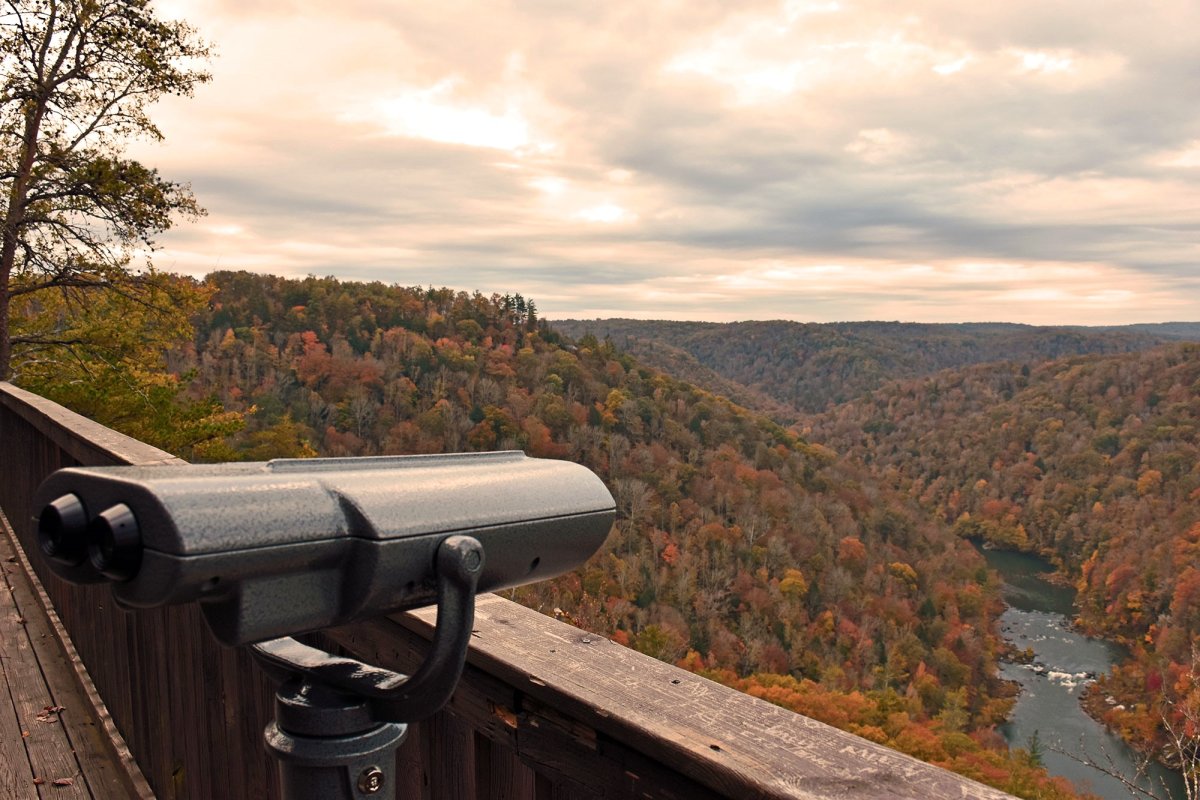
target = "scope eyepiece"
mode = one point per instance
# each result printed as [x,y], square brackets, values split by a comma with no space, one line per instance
[115,543]
[62,530]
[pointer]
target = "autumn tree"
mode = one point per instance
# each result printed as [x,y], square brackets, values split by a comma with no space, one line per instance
[113,372]
[76,80]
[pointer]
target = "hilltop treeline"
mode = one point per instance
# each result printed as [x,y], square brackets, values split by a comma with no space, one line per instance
[810,366]
[1093,462]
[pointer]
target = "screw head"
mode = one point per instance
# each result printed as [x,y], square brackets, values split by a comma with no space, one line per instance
[371,780]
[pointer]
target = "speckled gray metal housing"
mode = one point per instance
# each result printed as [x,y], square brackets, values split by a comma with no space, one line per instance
[292,545]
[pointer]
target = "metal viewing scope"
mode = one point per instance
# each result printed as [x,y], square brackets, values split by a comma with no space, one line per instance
[278,548]
[292,545]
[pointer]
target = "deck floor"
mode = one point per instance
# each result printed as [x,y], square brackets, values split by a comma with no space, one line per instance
[52,744]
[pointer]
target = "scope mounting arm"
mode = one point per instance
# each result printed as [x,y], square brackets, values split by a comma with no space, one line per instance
[391,696]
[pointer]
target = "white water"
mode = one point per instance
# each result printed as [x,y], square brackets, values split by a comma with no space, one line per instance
[1065,662]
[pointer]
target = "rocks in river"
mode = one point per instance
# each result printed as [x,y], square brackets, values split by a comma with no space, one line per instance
[1016,656]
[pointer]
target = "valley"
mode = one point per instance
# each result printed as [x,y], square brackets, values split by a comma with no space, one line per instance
[819,560]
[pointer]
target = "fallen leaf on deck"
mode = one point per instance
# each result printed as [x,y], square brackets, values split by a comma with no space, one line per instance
[50,713]
[63,781]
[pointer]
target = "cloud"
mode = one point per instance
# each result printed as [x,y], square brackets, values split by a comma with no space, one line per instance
[652,158]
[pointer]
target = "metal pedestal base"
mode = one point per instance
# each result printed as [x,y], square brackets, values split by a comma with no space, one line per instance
[328,748]
[338,722]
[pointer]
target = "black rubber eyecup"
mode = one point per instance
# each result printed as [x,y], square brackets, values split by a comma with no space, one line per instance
[63,530]
[115,543]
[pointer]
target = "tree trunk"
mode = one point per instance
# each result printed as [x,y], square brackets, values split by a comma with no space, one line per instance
[13,217]
[5,336]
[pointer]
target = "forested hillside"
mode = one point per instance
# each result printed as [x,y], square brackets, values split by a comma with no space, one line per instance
[1093,461]
[741,550]
[810,366]
[736,536]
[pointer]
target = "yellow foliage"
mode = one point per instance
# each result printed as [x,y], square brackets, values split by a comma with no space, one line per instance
[1149,482]
[793,584]
[904,572]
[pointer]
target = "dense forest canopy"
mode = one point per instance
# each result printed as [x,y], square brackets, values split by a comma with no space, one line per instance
[807,367]
[824,568]
[1026,443]
[1093,462]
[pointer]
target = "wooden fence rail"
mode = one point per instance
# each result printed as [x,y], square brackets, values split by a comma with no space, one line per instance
[544,711]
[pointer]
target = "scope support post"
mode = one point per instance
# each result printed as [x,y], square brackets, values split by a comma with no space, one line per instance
[338,722]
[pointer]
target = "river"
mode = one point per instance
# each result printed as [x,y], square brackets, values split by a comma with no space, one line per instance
[1065,662]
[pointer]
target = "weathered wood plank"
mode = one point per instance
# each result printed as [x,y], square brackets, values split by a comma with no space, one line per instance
[728,741]
[449,757]
[247,705]
[165,707]
[590,763]
[106,764]
[411,778]
[16,773]
[188,696]
[499,774]
[658,729]
[547,789]
[563,749]
[214,737]
[37,709]
[86,441]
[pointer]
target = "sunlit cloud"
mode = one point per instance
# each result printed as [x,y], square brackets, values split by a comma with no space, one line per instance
[758,57]
[1187,156]
[434,113]
[806,160]
[763,59]
[1065,67]
[1030,293]
[1039,61]
[1095,197]
[877,145]
[794,10]
[951,67]
[419,115]
[550,184]
[608,213]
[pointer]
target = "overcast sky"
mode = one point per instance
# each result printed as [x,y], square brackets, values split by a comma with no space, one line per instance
[1026,161]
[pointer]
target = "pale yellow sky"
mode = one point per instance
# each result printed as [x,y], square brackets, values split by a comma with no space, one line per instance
[1024,161]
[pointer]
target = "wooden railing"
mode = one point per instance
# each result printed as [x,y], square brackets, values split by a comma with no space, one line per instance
[544,711]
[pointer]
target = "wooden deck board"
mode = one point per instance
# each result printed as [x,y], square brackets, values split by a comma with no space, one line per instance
[38,677]
[16,775]
[48,749]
